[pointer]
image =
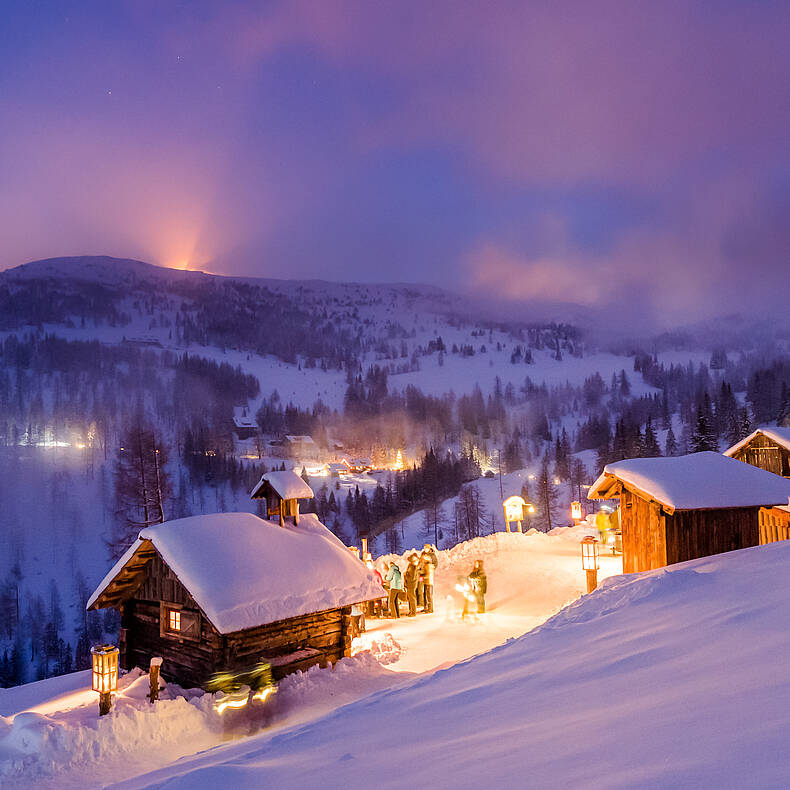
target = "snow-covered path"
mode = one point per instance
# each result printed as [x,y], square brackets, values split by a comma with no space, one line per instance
[58,741]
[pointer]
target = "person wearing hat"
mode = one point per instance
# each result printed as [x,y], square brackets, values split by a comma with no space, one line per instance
[410,584]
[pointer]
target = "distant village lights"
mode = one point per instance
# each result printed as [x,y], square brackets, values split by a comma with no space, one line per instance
[105,674]
[590,561]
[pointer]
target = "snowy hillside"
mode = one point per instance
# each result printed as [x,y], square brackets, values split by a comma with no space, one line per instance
[674,678]
[50,731]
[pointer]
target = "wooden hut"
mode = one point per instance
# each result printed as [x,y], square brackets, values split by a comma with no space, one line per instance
[677,509]
[282,492]
[222,592]
[766,448]
[774,524]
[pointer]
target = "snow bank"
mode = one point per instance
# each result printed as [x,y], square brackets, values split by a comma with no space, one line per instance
[62,748]
[671,678]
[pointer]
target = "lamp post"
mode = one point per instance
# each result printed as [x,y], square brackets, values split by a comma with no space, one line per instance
[105,674]
[590,561]
[514,508]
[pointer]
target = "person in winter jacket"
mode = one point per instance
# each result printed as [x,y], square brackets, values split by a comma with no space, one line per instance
[410,583]
[393,578]
[479,584]
[427,567]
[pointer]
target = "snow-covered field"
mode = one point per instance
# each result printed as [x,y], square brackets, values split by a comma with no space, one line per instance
[50,732]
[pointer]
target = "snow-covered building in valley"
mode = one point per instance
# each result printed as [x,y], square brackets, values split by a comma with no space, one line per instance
[244,423]
[282,492]
[767,448]
[677,509]
[222,592]
[301,447]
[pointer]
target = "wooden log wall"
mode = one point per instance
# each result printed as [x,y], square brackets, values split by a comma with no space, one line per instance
[644,540]
[774,525]
[700,533]
[318,638]
[766,454]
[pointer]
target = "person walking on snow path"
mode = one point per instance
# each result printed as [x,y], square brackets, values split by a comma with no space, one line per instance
[393,578]
[428,563]
[479,584]
[410,583]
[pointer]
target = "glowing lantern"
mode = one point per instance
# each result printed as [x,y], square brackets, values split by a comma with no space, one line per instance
[590,561]
[514,511]
[105,674]
[576,511]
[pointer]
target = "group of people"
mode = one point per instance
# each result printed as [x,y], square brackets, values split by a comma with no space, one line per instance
[416,584]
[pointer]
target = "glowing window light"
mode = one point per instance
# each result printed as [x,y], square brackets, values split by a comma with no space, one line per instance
[590,560]
[174,620]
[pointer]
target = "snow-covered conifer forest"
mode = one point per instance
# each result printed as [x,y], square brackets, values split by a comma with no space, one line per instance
[110,365]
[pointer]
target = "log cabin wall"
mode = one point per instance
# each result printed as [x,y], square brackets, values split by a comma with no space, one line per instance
[765,453]
[294,644]
[644,543]
[700,533]
[187,661]
[774,525]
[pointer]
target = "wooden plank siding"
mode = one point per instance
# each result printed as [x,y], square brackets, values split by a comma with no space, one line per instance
[766,454]
[316,638]
[700,533]
[774,525]
[644,539]
[652,538]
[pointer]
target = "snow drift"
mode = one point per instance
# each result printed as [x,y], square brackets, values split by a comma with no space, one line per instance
[671,678]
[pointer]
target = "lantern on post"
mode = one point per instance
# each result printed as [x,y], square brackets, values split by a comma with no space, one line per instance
[514,511]
[590,561]
[576,511]
[105,674]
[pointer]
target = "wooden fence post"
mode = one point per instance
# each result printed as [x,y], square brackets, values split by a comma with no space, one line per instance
[153,679]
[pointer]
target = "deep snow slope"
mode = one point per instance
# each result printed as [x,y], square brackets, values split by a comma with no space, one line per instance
[673,678]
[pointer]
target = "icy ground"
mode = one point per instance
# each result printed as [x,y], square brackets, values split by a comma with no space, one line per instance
[50,733]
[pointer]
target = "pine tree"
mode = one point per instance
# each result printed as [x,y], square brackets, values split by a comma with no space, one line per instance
[651,448]
[702,439]
[142,486]
[547,496]
[671,446]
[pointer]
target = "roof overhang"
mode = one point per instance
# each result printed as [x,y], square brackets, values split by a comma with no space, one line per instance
[125,577]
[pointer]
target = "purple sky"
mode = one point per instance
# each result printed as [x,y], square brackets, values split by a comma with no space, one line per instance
[633,154]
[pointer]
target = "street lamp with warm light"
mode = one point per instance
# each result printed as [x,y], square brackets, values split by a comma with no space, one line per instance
[590,561]
[105,674]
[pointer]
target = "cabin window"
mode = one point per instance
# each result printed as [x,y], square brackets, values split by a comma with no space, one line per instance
[175,621]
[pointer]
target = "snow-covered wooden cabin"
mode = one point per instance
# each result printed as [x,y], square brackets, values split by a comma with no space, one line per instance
[677,509]
[766,448]
[282,492]
[222,592]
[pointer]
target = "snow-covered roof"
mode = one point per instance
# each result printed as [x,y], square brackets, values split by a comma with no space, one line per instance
[779,435]
[303,439]
[701,481]
[244,571]
[287,485]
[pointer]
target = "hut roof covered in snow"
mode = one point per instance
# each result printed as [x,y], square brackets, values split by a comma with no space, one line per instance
[776,434]
[287,485]
[701,481]
[243,571]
